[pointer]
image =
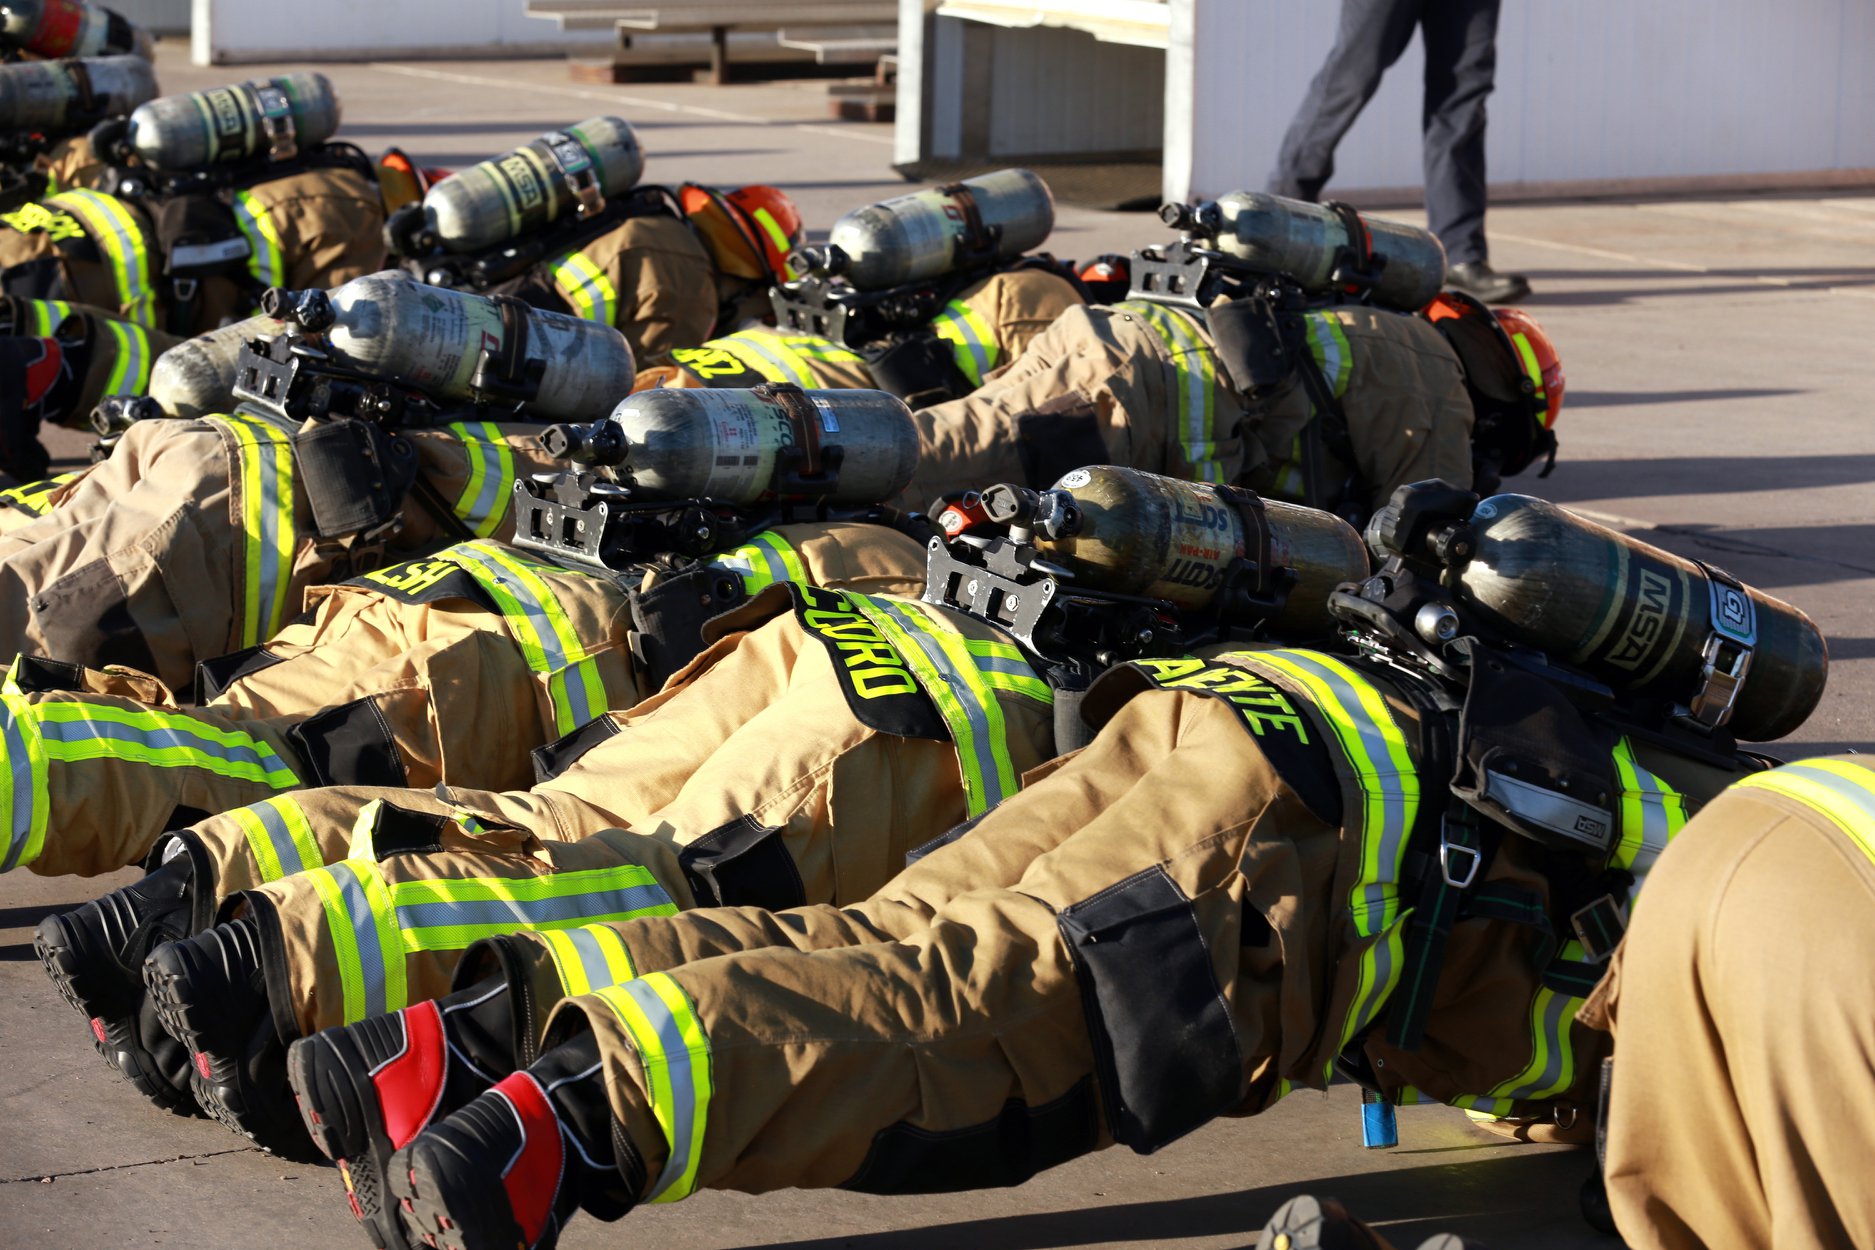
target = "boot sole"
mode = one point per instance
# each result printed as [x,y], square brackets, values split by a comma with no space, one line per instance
[214,1075]
[346,1127]
[447,1206]
[109,1011]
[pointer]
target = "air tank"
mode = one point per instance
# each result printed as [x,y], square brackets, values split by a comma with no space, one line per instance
[1163,538]
[522,190]
[55,28]
[46,96]
[1271,234]
[390,327]
[1635,616]
[195,378]
[727,445]
[203,128]
[914,237]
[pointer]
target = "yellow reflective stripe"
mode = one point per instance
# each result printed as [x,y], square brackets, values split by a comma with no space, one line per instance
[120,237]
[1652,813]
[450,914]
[1371,741]
[32,497]
[264,454]
[589,958]
[1328,347]
[1552,1066]
[363,929]
[585,288]
[23,800]
[280,837]
[485,499]
[46,315]
[949,674]
[130,371]
[540,626]
[265,256]
[72,732]
[1527,355]
[771,356]
[777,237]
[1194,383]
[1841,792]
[972,342]
[762,561]
[1004,667]
[674,1053]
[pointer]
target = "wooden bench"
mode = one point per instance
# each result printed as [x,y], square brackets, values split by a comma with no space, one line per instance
[828,32]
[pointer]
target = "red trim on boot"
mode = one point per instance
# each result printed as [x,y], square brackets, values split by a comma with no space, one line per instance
[410,1086]
[534,1174]
[43,372]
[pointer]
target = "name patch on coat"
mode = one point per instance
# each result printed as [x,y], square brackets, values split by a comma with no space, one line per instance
[879,685]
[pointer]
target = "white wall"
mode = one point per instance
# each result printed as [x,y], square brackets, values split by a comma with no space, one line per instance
[1587,90]
[227,31]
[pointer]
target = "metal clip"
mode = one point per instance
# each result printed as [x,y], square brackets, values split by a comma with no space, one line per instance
[576,165]
[276,120]
[1453,878]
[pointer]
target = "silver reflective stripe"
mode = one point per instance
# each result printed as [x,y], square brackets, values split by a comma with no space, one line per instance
[679,1063]
[1006,664]
[285,849]
[1857,796]
[537,616]
[20,768]
[592,960]
[1556,1016]
[488,498]
[527,913]
[982,740]
[269,450]
[167,737]
[365,935]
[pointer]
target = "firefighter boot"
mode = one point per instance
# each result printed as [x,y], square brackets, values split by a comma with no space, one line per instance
[95,956]
[1308,1223]
[210,993]
[366,1089]
[508,1170]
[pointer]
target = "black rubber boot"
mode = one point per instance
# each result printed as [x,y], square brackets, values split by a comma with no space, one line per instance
[507,1171]
[95,956]
[210,993]
[366,1089]
[1479,279]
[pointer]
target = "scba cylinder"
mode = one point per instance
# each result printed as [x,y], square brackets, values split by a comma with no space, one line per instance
[1302,242]
[1163,538]
[195,378]
[1637,617]
[51,96]
[266,115]
[387,326]
[55,28]
[522,190]
[921,235]
[754,446]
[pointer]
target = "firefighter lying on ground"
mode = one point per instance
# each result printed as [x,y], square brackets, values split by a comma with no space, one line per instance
[1263,847]
[387,679]
[1235,361]
[193,537]
[796,760]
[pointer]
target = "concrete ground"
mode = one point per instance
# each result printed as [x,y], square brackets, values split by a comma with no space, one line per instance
[1717,359]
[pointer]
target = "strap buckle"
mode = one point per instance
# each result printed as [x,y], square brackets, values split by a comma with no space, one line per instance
[1458,863]
[1725,661]
[576,166]
[276,120]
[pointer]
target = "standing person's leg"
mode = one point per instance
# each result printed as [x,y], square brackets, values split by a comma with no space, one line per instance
[1461,69]
[1371,37]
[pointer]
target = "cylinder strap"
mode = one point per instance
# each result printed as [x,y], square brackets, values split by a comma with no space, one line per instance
[799,410]
[976,237]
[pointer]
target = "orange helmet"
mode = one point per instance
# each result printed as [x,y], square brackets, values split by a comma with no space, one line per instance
[750,231]
[1514,377]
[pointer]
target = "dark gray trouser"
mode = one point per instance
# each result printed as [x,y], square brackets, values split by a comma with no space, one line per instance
[1461,57]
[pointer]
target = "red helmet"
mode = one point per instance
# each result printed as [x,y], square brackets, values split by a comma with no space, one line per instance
[750,231]
[1537,354]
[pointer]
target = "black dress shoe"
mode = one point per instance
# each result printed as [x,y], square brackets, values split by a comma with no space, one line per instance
[1477,278]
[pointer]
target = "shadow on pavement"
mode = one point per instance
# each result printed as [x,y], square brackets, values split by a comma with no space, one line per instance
[1622,399]
[1471,1197]
[1691,475]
